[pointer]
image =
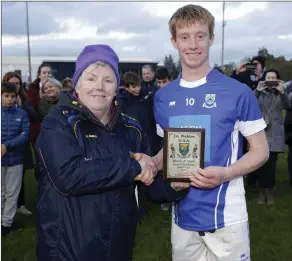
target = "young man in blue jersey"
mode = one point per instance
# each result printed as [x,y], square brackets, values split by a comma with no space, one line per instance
[211,222]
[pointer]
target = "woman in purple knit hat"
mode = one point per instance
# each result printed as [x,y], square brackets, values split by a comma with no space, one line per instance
[86,207]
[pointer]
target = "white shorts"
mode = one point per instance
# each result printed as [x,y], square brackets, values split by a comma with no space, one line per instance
[225,244]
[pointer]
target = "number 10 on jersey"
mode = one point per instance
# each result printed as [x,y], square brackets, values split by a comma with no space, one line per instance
[190,101]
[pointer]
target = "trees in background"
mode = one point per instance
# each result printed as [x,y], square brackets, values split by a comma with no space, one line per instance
[280,63]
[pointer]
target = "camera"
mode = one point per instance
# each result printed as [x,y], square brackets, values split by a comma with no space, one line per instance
[251,67]
[272,86]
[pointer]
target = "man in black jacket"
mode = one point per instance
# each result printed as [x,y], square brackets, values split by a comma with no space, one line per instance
[250,77]
[148,85]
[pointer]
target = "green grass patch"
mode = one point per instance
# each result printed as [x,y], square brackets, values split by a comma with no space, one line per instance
[270,227]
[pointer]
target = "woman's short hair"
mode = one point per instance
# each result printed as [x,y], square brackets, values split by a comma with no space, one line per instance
[274,70]
[53,81]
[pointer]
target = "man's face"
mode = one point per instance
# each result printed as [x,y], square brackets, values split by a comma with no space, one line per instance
[147,74]
[161,83]
[259,67]
[193,43]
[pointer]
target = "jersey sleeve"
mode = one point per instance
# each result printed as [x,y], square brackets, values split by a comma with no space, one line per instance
[160,118]
[249,114]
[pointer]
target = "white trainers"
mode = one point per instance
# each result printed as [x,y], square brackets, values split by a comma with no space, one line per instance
[24,211]
[165,207]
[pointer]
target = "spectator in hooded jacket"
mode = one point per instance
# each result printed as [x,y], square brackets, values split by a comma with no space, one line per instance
[272,101]
[14,136]
[23,103]
[86,207]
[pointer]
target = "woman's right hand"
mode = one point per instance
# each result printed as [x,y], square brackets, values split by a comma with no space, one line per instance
[146,176]
[261,86]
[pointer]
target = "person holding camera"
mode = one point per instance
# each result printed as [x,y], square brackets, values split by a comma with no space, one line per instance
[250,73]
[272,99]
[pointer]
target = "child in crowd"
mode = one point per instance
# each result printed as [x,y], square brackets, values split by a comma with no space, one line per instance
[162,77]
[14,136]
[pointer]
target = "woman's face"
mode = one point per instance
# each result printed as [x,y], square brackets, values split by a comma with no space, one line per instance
[45,74]
[97,87]
[271,76]
[50,90]
[16,81]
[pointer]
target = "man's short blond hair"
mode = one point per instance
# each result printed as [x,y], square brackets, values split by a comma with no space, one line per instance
[188,15]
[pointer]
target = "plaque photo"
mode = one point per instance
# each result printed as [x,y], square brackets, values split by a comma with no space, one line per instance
[183,152]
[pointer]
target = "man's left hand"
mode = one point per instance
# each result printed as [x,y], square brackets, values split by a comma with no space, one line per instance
[209,177]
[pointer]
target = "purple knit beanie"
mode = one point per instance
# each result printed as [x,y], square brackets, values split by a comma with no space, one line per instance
[92,54]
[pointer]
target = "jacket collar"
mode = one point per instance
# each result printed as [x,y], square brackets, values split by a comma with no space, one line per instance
[8,109]
[70,101]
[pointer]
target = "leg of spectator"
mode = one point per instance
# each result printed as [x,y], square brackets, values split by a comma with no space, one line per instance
[271,177]
[3,189]
[20,201]
[261,174]
[13,185]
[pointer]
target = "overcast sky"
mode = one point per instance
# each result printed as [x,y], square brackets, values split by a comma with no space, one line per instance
[140,30]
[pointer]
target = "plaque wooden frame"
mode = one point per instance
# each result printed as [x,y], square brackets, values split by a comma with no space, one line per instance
[166,150]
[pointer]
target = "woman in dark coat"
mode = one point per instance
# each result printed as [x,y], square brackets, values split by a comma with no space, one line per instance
[272,100]
[86,207]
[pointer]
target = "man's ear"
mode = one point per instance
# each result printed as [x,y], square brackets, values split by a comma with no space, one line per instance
[173,41]
[212,38]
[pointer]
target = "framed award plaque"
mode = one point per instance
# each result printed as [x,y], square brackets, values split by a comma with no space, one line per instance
[183,152]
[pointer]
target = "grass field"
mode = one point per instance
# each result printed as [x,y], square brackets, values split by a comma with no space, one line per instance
[270,227]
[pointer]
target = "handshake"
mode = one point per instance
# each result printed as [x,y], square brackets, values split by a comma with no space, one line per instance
[150,170]
[207,178]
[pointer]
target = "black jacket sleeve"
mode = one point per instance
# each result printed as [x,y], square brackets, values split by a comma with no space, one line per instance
[71,173]
[160,190]
[30,110]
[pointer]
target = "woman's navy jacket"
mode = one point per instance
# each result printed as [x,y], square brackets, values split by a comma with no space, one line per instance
[86,207]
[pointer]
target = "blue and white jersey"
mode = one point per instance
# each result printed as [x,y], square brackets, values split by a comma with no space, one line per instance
[227,110]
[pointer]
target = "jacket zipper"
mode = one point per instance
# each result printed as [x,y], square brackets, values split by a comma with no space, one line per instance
[43,160]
